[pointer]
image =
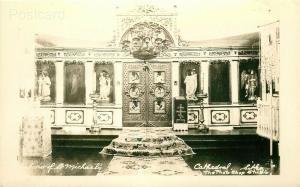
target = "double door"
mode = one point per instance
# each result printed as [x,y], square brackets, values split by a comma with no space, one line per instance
[147,94]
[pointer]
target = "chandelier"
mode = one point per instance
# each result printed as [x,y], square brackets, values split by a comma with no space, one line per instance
[146,40]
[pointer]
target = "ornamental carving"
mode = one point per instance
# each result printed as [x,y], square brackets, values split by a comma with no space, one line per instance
[146,40]
[220,117]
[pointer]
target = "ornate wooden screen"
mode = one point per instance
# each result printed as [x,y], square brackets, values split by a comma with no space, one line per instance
[147,94]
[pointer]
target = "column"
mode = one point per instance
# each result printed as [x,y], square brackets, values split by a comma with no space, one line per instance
[234,77]
[175,79]
[118,82]
[204,77]
[89,88]
[59,66]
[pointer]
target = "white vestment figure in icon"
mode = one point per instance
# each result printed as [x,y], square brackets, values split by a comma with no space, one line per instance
[44,84]
[104,86]
[191,84]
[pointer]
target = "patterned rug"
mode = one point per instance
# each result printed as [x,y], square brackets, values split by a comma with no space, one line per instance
[147,141]
[163,166]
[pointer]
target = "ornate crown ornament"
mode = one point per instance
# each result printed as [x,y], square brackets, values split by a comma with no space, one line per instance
[146,40]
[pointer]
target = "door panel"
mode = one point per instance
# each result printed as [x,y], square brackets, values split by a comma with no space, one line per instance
[147,94]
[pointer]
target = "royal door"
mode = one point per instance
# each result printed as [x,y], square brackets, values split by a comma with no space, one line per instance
[147,94]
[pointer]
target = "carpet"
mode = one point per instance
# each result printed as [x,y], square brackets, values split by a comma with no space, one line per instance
[147,141]
[162,166]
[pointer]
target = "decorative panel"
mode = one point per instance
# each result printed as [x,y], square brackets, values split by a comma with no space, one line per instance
[133,89]
[35,136]
[180,110]
[160,96]
[52,116]
[248,115]
[74,117]
[220,117]
[104,117]
[193,116]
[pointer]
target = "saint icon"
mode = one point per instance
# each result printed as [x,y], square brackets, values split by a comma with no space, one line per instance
[159,77]
[44,84]
[134,77]
[249,84]
[159,92]
[104,85]
[134,92]
[159,107]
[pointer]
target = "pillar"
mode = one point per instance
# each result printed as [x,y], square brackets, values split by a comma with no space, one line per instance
[204,77]
[59,66]
[234,80]
[89,87]
[118,82]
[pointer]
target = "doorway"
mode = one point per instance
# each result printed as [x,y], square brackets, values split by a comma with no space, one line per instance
[147,94]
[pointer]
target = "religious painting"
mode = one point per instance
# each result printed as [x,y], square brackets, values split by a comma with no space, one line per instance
[134,77]
[193,117]
[74,83]
[105,82]
[159,77]
[189,79]
[219,82]
[159,92]
[134,107]
[45,82]
[134,92]
[159,107]
[248,81]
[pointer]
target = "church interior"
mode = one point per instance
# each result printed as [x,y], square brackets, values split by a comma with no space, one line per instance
[151,102]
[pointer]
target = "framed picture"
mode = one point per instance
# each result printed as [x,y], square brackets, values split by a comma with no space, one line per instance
[134,92]
[134,77]
[193,116]
[74,83]
[159,107]
[45,86]
[134,107]
[159,77]
[105,82]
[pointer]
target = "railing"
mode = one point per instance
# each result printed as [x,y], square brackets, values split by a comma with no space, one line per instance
[268,119]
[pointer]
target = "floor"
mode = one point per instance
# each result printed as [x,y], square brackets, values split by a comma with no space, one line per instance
[94,164]
[88,162]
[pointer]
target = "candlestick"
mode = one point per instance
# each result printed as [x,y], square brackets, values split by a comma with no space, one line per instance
[202,83]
